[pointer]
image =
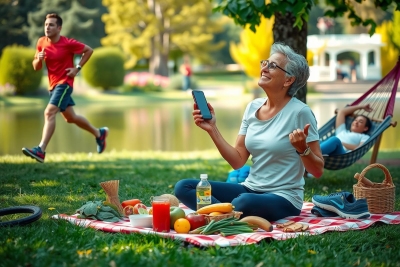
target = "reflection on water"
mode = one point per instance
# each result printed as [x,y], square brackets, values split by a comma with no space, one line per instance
[160,126]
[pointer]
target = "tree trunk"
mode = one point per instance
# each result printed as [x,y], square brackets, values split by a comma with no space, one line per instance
[160,45]
[286,33]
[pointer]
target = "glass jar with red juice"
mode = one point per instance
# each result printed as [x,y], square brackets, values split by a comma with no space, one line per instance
[161,214]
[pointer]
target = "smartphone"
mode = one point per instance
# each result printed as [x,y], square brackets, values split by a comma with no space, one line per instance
[201,101]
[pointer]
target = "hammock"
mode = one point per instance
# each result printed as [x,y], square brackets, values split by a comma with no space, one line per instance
[381,98]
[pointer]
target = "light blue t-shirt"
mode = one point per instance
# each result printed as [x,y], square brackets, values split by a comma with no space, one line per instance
[277,168]
[348,137]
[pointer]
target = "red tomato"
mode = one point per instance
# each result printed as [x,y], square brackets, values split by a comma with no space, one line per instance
[196,220]
[130,202]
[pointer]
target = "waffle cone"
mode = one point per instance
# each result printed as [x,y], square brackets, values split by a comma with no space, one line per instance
[111,188]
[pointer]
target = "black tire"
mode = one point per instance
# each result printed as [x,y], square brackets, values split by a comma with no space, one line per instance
[36,214]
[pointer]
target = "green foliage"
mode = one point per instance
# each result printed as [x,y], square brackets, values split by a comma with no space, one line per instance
[105,68]
[249,12]
[16,70]
[77,20]
[13,16]
[151,29]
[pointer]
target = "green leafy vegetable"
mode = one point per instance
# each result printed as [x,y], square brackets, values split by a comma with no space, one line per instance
[97,210]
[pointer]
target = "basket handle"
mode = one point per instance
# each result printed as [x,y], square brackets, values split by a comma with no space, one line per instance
[362,179]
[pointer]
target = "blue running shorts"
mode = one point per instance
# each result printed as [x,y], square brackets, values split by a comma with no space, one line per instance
[60,96]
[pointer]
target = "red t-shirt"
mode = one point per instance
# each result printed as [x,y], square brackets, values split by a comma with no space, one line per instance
[59,57]
[188,70]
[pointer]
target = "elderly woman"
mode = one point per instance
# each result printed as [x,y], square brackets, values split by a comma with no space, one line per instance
[279,132]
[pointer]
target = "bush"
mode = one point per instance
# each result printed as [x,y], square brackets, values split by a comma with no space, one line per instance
[17,71]
[105,69]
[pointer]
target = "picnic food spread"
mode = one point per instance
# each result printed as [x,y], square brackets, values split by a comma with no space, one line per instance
[218,218]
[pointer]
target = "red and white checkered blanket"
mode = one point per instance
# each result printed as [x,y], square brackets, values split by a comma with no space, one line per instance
[317,225]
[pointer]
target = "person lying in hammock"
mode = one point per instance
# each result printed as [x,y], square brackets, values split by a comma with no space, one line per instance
[347,140]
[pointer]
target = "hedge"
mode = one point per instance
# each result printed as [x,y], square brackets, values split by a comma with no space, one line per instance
[17,70]
[105,68]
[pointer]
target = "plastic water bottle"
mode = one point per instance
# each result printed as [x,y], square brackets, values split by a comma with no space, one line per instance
[203,192]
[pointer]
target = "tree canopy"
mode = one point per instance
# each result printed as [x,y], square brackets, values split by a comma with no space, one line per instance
[291,18]
[151,29]
[13,16]
[77,20]
[249,12]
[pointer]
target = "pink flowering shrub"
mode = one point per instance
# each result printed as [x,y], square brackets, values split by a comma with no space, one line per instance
[144,81]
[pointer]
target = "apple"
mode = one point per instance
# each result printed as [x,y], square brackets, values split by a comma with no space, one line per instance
[175,214]
[196,220]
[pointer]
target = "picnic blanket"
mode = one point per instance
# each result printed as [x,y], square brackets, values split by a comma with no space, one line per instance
[317,225]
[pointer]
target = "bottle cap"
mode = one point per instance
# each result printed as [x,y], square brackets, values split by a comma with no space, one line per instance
[203,176]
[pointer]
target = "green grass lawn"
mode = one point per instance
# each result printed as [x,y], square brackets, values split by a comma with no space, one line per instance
[66,181]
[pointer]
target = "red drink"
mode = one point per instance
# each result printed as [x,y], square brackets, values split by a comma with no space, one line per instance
[161,214]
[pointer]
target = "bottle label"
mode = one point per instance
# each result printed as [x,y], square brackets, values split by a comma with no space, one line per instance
[204,197]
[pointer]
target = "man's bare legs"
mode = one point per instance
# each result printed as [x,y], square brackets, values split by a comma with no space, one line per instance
[100,134]
[49,125]
[38,152]
[71,117]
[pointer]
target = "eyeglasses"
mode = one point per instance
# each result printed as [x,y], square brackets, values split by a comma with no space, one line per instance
[271,65]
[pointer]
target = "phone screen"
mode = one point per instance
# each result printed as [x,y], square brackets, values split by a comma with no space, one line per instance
[201,102]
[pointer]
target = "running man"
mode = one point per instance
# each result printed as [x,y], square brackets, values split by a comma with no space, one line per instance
[58,52]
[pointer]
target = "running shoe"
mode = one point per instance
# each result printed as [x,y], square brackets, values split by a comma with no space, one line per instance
[35,153]
[322,212]
[101,141]
[344,204]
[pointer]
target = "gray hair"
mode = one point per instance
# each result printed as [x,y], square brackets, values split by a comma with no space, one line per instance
[296,65]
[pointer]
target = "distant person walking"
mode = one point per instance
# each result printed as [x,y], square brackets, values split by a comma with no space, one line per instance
[58,53]
[353,71]
[186,70]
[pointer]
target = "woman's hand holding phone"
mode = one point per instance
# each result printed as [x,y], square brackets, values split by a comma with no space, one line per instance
[203,113]
[206,125]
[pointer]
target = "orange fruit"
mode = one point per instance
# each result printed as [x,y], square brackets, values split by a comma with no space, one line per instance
[151,211]
[182,226]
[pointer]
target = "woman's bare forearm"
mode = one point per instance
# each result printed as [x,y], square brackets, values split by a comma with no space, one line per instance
[235,156]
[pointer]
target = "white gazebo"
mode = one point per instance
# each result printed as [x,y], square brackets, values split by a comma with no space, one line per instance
[326,48]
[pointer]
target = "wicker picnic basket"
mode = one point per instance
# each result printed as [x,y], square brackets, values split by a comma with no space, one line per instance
[380,196]
[216,218]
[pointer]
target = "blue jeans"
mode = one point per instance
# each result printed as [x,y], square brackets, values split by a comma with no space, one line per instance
[263,204]
[332,146]
[186,83]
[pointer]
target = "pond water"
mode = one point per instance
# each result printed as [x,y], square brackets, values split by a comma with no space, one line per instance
[161,126]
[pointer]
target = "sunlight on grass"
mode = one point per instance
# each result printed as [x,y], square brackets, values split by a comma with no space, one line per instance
[45,183]
[67,181]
